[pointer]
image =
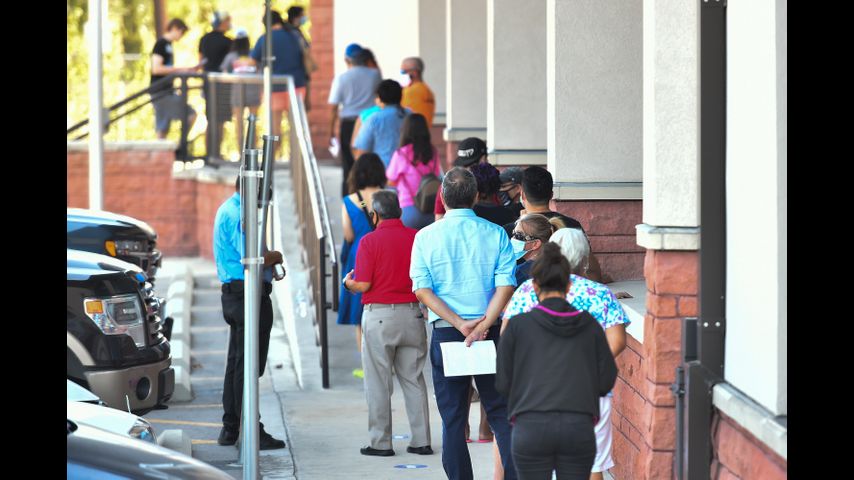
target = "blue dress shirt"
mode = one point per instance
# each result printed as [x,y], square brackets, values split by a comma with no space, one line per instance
[462,258]
[228,242]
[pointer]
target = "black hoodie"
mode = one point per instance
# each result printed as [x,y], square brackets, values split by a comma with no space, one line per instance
[554,363]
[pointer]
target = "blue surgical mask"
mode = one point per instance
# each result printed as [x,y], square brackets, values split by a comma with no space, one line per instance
[518,248]
[302,20]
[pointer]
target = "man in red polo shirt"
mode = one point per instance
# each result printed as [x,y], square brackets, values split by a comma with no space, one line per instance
[393,328]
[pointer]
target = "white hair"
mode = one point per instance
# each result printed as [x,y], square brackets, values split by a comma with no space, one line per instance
[573,244]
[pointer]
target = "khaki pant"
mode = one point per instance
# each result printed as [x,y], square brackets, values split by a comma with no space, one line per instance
[395,335]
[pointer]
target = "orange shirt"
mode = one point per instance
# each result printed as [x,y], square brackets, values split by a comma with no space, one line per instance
[418,98]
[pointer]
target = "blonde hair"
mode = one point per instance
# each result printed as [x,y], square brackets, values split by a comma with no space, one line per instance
[574,246]
[537,226]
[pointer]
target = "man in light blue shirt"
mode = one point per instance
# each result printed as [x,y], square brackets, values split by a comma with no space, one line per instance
[228,239]
[462,270]
[381,131]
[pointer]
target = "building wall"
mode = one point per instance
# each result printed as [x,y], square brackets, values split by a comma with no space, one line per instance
[322,21]
[140,183]
[740,455]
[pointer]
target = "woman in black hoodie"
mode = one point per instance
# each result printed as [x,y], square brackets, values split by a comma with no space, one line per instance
[553,365]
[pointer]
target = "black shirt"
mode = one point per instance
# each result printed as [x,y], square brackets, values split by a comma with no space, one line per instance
[554,362]
[214,46]
[569,221]
[496,214]
[163,48]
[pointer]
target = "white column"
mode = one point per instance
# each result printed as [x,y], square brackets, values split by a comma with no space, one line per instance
[466,69]
[431,49]
[594,51]
[671,162]
[516,83]
[387,27]
[757,228]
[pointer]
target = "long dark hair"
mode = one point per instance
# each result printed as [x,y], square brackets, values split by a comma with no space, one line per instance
[368,171]
[415,131]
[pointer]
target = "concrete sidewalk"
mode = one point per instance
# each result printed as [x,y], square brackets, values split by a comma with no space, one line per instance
[328,427]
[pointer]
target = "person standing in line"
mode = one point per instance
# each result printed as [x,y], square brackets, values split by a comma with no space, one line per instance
[553,365]
[531,233]
[470,151]
[462,271]
[167,104]
[243,95]
[394,334]
[352,91]
[488,205]
[381,132]
[416,158]
[510,193]
[213,48]
[417,96]
[602,304]
[366,178]
[296,19]
[228,247]
[287,60]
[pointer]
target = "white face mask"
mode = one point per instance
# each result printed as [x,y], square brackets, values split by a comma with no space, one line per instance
[404,80]
[518,248]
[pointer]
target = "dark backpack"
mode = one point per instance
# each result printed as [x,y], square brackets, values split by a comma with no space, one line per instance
[425,198]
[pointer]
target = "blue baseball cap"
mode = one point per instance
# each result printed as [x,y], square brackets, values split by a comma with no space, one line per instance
[352,50]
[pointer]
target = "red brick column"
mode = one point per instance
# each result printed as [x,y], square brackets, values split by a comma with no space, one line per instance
[610,226]
[450,154]
[208,201]
[738,454]
[322,46]
[644,414]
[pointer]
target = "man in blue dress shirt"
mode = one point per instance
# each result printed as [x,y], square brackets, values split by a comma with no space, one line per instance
[228,240]
[462,270]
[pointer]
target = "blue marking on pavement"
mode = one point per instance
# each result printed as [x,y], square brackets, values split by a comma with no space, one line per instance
[410,466]
[400,437]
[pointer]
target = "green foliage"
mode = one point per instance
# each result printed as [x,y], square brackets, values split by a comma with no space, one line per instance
[126,59]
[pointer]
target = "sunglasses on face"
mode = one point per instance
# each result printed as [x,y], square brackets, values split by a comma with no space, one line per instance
[523,237]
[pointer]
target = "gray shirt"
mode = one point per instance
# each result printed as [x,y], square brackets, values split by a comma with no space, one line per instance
[355,90]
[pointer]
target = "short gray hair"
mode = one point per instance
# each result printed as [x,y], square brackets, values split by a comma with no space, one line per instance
[386,205]
[459,188]
[573,244]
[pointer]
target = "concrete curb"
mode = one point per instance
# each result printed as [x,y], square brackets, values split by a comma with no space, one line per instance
[179,300]
[177,440]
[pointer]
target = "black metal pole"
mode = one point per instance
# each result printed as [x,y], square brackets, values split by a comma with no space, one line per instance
[324,337]
[702,374]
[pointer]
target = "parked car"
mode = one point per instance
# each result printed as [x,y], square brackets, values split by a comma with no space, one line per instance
[118,236]
[96,453]
[76,393]
[84,406]
[115,344]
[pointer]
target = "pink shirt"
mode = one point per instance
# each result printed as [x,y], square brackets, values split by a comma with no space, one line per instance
[407,176]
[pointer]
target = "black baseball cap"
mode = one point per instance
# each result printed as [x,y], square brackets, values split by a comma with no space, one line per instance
[469,152]
[512,175]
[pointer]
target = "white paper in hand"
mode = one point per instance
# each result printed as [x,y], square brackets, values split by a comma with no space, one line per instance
[334,147]
[479,359]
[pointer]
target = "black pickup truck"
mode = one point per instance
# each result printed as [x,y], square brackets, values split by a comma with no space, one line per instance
[118,236]
[115,342]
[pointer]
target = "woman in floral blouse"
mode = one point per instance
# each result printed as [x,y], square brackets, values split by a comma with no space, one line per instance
[602,304]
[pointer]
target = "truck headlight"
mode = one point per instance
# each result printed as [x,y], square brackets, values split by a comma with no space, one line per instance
[124,247]
[118,315]
[143,431]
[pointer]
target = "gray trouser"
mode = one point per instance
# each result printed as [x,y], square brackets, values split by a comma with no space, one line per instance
[395,335]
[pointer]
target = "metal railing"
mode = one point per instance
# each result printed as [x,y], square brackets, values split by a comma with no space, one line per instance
[154,92]
[315,229]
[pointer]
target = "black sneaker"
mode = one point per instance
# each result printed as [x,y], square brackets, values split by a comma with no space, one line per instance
[228,436]
[267,442]
[376,453]
[425,450]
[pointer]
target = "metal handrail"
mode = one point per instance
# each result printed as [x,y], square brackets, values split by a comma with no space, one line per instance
[317,236]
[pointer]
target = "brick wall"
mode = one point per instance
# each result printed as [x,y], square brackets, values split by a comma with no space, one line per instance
[610,226]
[140,184]
[644,415]
[740,455]
[321,14]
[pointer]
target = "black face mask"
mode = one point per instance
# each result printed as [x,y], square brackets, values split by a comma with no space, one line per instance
[504,197]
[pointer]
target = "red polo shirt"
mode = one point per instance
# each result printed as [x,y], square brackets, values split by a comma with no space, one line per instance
[383,259]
